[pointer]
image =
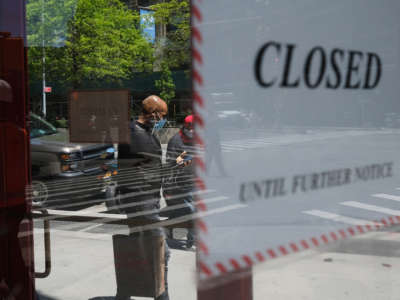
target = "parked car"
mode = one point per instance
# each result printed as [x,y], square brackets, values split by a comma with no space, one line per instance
[65,172]
[233,119]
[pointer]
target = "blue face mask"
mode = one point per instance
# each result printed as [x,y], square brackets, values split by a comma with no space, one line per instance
[159,125]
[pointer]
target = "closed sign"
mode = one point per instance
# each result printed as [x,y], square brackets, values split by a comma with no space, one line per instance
[299,125]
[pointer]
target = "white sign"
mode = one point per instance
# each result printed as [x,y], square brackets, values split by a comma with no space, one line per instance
[301,111]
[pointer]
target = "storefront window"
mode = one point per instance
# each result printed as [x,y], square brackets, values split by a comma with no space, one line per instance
[183,149]
[109,89]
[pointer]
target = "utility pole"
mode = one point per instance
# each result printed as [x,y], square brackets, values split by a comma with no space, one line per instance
[43,64]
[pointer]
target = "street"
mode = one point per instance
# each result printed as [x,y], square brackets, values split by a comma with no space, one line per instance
[82,252]
[260,221]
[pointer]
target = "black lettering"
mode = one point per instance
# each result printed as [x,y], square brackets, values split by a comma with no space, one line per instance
[333,178]
[257,189]
[286,74]
[267,188]
[379,171]
[275,187]
[363,173]
[307,67]
[242,193]
[299,180]
[323,179]
[389,171]
[279,184]
[372,169]
[371,58]
[347,176]
[259,62]
[281,190]
[336,69]
[353,68]
[295,184]
[314,182]
[359,173]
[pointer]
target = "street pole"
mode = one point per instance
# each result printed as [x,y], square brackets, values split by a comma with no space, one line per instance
[43,65]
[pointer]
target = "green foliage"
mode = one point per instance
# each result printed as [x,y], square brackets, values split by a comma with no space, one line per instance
[165,84]
[104,41]
[95,40]
[47,26]
[175,49]
[55,14]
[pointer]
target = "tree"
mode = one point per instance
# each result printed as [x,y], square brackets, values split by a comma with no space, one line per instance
[104,41]
[166,84]
[175,49]
[46,33]
[92,40]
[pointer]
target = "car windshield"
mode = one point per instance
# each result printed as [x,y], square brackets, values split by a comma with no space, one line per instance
[40,127]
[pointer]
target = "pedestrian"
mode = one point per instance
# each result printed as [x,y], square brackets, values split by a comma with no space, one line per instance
[178,186]
[142,197]
[213,149]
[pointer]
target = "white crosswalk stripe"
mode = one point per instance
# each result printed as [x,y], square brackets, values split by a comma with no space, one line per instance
[234,147]
[339,218]
[358,205]
[387,196]
[239,146]
[122,229]
[249,142]
[371,207]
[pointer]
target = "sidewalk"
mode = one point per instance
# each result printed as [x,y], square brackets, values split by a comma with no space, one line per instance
[83,268]
[366,267]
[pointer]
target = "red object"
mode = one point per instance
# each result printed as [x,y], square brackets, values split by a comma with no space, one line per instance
[5,91]
[16,253]
[47,89]
[237,285]
[188,121]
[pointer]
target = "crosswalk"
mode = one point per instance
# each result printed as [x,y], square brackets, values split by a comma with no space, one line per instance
[225,205]
[233,143]
[339,218]
[61,190]
[334,217]
[236,144]
[103,218]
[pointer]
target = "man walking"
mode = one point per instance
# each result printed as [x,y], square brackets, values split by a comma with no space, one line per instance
[178,187]
[142,196]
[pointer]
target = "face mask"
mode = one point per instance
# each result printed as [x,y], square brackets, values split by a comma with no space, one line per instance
[157,125]
[188,132]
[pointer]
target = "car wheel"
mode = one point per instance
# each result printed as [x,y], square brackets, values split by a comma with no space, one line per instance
[38,193]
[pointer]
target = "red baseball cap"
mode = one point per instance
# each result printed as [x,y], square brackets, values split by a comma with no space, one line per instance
[188,121]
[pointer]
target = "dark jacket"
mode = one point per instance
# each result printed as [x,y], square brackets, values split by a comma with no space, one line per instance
[140,164]
[180,179]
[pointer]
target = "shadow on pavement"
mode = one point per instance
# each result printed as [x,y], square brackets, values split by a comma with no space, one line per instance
[40,296]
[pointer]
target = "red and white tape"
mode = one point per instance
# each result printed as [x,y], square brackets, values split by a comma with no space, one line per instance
[234,264]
